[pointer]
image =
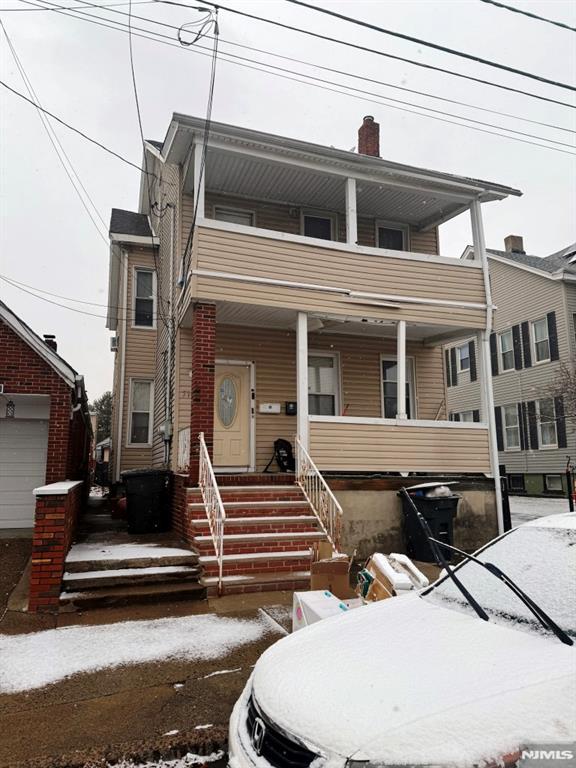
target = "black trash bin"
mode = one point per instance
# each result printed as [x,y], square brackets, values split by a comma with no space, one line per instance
[147,500]
[438,511]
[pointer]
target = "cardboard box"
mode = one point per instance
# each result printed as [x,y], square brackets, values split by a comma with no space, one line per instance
[332,575]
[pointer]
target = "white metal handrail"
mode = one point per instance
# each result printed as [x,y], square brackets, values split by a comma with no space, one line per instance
[212,503]
[184,449]
[323,502]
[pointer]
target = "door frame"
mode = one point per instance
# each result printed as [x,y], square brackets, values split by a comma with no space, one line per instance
[410,380]
[251,415]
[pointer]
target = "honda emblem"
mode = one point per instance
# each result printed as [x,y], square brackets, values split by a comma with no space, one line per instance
[258,734]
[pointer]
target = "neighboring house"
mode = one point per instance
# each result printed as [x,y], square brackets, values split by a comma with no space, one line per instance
[273,288]
[534,333]
[44,421]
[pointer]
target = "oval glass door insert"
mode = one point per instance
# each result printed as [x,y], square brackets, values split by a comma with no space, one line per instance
[227,402]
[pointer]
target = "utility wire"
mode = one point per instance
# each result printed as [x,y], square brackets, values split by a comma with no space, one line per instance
[153,36]
[434,46]
[49,301]
[69,169]
[73,7]
[371,50]
[530,15]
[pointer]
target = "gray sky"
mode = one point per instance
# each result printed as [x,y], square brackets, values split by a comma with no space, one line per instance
[81,73]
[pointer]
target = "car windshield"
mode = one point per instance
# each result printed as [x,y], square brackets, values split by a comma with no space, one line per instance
[540,559]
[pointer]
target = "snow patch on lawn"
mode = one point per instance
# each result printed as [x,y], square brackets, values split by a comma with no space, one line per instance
[39,659]
[182,762]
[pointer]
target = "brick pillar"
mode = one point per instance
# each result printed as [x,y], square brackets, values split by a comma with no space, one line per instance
[203,364]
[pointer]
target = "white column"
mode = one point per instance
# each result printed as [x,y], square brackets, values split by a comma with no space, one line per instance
[484,351]
[351,213]
[401,370]
[199,179]
[302,378]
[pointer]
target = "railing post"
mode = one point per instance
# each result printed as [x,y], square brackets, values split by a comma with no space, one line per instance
[302,378]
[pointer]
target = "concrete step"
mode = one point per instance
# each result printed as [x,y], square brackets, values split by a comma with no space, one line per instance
[113,564]
[136,594]
[257,562]
[127,576]
[273,581]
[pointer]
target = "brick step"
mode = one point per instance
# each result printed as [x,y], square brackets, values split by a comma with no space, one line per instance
[257,562]
[256,478]
[253,508]
[135,594]
[262,524]
[128,576]
[82,566]
[275,581]
[249,493]
[256,542]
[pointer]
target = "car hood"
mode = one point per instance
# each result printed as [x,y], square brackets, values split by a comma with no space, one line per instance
[406,680]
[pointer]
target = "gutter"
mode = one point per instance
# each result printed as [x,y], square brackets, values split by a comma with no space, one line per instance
[120,442]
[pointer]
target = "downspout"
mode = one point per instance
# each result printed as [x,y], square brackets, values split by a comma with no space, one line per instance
[124,306]
[488,399]
[168,426]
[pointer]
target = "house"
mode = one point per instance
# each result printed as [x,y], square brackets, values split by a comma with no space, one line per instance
[273,288]
[534,335]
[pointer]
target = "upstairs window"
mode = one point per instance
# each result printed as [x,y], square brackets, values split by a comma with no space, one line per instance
[392,237]
[144,298]
[319,224]
[506,351]
[511,428]
[540,340]
[141,412]
[234,215]
[322,384]
[546,414]
[463,358]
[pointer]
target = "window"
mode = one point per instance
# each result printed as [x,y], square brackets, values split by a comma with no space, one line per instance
[506,351]
[463,416]
[516,483]
[511,428]
[141,412]
[463,358]
[322,384]
[540,341]
[321,225]
[553,483]
[144,280]
[547,423]
[392,237]
[234,216]
[390,388]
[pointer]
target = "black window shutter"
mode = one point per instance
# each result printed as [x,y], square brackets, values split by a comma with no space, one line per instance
[454,370]
[494,353]
[476,415]
[560,421]
[521,422]
[532,425]
[472,353]
[526,345]
[499,435]
[552,335]
[448,370]
[517,347]
[455,417]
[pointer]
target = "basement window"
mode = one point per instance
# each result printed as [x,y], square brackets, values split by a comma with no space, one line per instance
[516,483]
[553,483]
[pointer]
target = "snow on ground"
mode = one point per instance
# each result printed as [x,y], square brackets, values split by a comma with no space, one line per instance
[183,762]
[38,659]
[112,551]
[525,508]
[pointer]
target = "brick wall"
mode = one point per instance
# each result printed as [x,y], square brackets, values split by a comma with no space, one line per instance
[55,521]
[181,521]
[203,365]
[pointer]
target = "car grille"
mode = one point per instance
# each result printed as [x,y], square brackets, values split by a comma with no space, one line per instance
[274,746]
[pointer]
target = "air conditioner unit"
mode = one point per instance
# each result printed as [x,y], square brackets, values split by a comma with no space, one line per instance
[113,343]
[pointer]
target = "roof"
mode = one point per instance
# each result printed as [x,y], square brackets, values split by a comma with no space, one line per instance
[554,264]
[129,223]
[157,144]
[38,345]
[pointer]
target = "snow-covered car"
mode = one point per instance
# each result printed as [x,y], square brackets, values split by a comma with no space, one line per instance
[422,679]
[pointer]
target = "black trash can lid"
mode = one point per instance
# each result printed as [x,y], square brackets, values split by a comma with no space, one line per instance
[144,472]
[429,486]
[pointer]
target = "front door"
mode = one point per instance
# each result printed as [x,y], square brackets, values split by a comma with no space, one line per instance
[232,416]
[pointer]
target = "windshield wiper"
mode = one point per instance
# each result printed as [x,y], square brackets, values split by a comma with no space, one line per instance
[535,609]
[441,560]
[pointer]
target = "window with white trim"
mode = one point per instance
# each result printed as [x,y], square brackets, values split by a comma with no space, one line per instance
[540,340]
[390,388]
[506,344]
[140,412]
[553,483]
[323,384]
[463,357]
[393,237]
[546,417]
[467,416]
[234,215]
[318,224]
[144,298]
[511,427]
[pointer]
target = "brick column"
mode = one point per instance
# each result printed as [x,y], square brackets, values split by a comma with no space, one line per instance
[203,364]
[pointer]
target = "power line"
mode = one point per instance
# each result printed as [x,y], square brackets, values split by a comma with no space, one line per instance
[71,8]
[49,301]
[434,46]
[530,15]
[154,36]
[372,50]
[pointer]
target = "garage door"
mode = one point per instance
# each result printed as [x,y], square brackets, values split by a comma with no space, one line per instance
[23,449]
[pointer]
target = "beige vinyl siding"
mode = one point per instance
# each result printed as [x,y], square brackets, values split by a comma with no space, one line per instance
[390,448]
[274,355]
[466,395]
[255,256]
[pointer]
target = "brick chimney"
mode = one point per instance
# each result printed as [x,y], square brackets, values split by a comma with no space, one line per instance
[514,244]
[369,137]
[50,340]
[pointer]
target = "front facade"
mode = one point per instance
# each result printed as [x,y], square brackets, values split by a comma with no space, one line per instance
[293,291]
[534,338]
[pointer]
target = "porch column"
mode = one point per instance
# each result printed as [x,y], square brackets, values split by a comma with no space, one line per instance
[202,384]
[302,378]
[401,370]
[488,414]
[199,177]
[351,213]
